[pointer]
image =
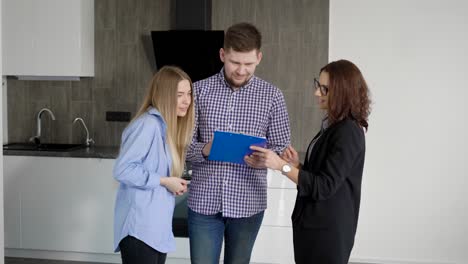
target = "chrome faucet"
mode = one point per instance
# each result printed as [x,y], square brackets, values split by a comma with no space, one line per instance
[89,140]
[37,138]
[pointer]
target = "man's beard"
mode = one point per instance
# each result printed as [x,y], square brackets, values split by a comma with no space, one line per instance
[234,85]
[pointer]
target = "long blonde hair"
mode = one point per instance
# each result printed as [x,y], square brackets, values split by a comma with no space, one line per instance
[162,95]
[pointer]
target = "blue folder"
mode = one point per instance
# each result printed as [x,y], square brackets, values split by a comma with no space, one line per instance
[232,147]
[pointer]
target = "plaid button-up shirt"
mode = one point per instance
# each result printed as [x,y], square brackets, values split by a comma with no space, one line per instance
[258,109]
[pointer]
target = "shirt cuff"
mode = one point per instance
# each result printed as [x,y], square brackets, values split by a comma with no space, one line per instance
[197,152]
[154,181]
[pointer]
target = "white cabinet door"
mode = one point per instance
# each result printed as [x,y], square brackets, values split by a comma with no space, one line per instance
[280,206]
[274,244]
[12,201]
[48,37]
[277,180]
[67,204]
[17,18]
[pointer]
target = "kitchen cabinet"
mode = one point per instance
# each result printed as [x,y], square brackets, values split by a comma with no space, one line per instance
[12,205]
[280,206]
[62,208]
[59,204]
[48,37]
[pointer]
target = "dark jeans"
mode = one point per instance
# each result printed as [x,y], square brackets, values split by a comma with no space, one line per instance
[206,234]
[135,251]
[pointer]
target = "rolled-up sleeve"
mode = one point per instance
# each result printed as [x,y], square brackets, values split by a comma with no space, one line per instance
[194,151]
[136,143]
[279,134]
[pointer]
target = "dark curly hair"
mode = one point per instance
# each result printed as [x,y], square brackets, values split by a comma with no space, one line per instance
[348,94]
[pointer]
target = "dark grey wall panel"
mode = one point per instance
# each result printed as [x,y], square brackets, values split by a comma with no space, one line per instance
[295,47]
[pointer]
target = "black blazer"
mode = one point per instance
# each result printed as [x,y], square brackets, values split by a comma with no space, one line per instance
[329,183]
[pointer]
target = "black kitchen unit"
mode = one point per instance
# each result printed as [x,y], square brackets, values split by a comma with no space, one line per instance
[197,53]
[179,220]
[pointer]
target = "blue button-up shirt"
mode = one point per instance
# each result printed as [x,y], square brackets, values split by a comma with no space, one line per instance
[144,208]
[258,109]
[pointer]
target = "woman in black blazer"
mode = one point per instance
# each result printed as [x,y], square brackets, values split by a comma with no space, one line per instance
[325,215]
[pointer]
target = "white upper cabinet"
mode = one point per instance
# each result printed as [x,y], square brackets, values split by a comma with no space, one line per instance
[48,37]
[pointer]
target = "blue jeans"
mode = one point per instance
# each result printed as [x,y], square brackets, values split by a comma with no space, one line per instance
[206,234]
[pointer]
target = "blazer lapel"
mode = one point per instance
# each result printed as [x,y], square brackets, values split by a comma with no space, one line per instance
[306,160]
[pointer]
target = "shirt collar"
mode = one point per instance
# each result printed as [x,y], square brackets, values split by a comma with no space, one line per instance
[222,78]
[153,111]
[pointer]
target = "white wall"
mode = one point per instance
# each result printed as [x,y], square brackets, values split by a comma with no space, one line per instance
[4,117]
[414,55]
[1,152]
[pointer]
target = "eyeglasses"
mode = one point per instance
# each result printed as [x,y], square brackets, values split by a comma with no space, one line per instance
[323,88]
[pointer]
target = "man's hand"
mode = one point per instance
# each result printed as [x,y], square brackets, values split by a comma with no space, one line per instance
[207,148]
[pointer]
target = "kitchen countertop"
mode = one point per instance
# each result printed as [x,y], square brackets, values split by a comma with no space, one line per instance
[100,152]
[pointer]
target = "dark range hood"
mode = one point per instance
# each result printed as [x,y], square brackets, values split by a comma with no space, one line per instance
[195,51]
[191,44]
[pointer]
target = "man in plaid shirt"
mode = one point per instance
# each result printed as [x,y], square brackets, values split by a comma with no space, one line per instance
[228,200]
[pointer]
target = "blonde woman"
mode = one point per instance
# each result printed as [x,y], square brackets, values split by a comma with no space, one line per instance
[149,166]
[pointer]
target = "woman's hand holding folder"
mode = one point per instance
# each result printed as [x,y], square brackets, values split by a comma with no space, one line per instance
[264,158]
[291,156]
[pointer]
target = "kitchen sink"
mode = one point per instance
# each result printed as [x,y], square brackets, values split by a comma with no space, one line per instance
[42,147]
